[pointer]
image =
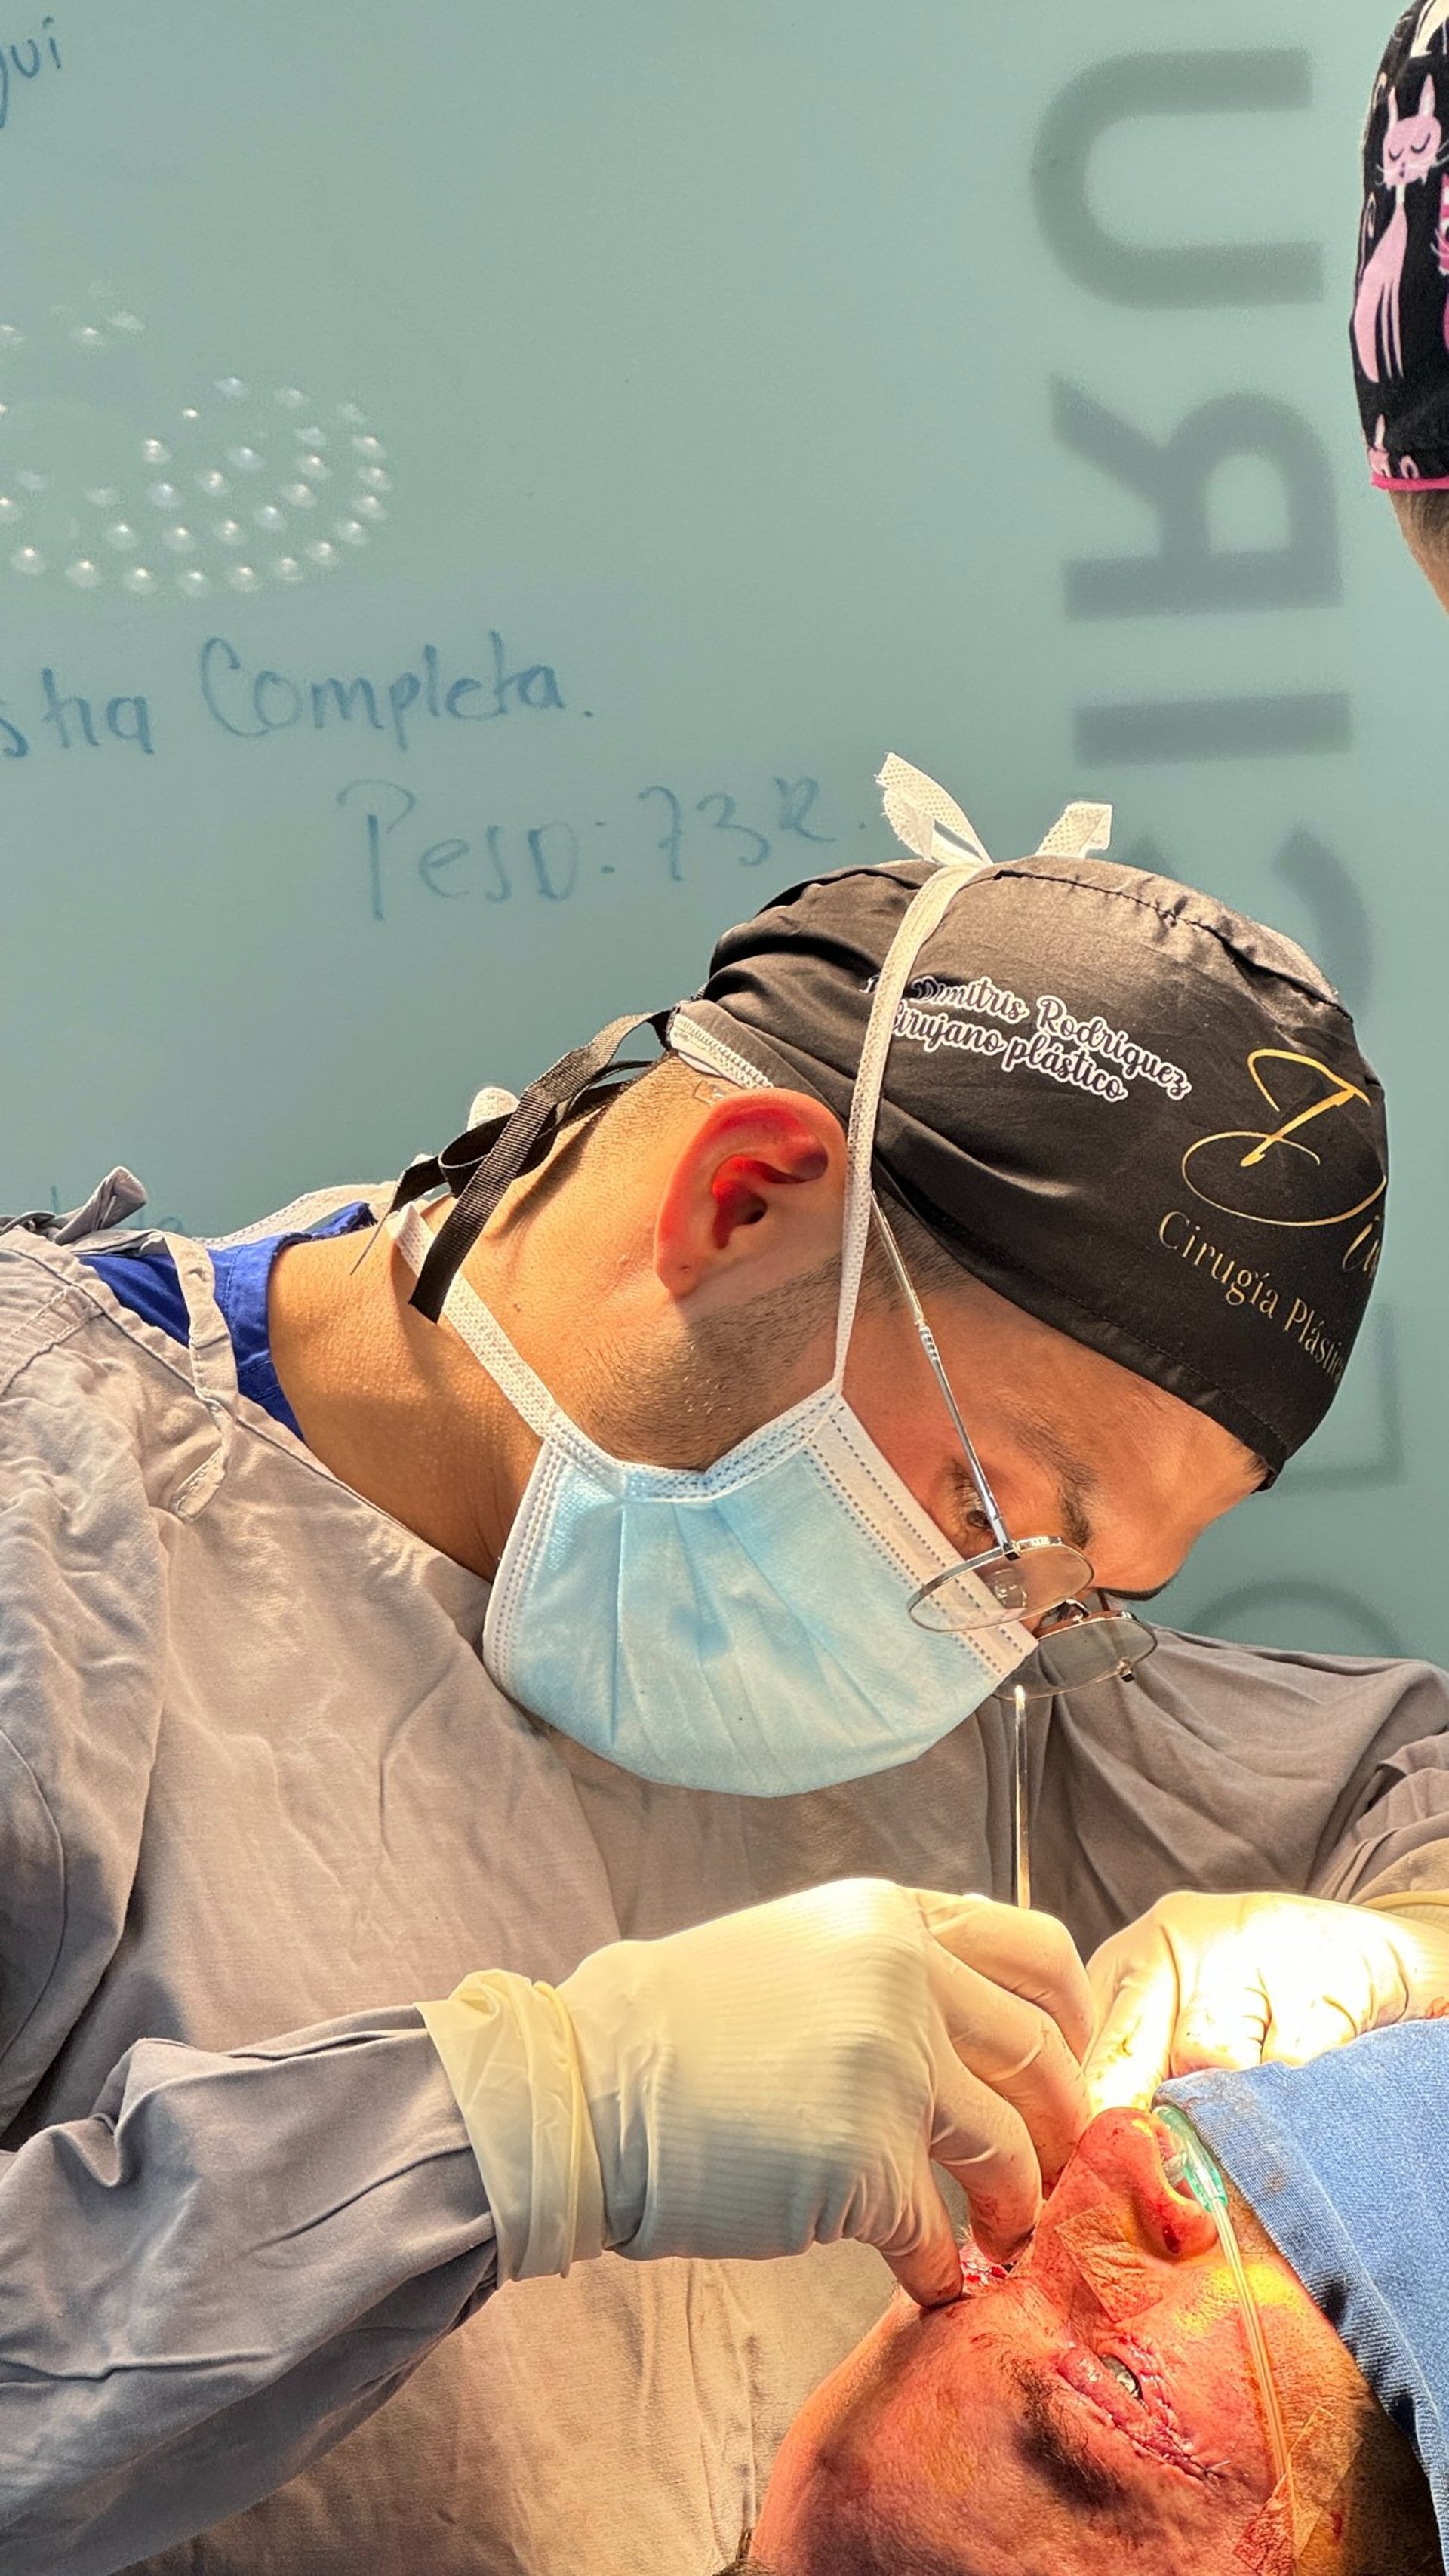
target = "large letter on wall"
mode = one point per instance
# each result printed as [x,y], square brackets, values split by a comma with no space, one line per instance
[1188,574]
[1142,85]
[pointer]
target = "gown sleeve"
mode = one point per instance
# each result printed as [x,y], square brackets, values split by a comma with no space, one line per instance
[228,2265]
[1394,1841]
[233,2257]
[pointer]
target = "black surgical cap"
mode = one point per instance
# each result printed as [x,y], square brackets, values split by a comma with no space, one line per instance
[1400,330]
[1134,1113]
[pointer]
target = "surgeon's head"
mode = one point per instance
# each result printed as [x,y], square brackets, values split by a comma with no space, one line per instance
[1134,1153]
[1096,2412]
[726,1215]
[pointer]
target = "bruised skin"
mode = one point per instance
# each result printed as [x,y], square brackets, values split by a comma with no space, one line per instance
[1005,2436]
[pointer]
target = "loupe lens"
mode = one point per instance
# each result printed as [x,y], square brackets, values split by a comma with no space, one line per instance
[1025,1582]
[1082,1651]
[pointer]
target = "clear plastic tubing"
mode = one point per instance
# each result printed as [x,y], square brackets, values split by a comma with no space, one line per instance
[1189,2168]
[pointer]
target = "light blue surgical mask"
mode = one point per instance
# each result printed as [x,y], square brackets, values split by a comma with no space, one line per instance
[746,1628]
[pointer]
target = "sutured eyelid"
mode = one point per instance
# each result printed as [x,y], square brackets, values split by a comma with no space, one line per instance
[1123,2372]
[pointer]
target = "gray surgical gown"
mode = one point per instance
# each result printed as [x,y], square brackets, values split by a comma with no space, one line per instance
[257,1795]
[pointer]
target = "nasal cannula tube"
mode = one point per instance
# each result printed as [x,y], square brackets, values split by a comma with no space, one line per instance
[1020,1801]
[1190,2168]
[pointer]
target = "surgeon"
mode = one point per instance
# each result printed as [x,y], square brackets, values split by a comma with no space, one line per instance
[1400,329]
[501,1701]
[1103,2406]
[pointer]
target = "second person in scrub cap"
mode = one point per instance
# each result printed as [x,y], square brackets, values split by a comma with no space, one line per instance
[1400,328]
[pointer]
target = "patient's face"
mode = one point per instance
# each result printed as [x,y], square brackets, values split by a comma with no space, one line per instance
[1095,2411]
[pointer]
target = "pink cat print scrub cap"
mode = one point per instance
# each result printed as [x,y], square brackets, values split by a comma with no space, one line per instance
[1401,303]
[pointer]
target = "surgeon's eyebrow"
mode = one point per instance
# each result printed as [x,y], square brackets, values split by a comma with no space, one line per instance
[1074,1521]
[1076,1483]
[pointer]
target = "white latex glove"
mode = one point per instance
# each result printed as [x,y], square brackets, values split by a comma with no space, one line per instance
[778,2080]
[1231,1981]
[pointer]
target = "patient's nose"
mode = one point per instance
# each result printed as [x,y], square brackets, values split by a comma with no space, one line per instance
[1124,2151]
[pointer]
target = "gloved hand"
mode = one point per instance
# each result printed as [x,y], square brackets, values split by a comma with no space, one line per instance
[1207,1981]
[778,2080]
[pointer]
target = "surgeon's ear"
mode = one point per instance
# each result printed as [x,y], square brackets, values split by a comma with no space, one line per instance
[755,1198]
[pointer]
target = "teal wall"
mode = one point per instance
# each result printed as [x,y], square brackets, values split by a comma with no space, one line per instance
[667,410]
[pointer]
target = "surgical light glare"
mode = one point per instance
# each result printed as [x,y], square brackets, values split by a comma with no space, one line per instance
[139,580]
[28,559]
[86,574]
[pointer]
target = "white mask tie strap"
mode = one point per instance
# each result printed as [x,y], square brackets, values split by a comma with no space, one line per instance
[933,826]
[470,1319]
[925,820]
[924,917]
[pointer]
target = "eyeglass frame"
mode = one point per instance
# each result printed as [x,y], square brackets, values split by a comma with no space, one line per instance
[1073,1609]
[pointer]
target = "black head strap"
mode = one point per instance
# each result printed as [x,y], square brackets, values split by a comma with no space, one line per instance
[479,1167]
